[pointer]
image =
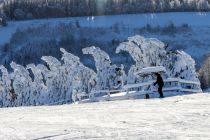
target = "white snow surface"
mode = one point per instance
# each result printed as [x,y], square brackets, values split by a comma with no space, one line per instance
[180,117]
[194,19]
[152,70]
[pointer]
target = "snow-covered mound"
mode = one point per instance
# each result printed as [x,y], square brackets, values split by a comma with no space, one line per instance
[180,117]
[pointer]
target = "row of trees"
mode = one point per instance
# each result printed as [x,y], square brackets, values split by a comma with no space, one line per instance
[28,9]
[40,84]
[57,82]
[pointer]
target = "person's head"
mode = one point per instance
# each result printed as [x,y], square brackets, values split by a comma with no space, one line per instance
[156,74]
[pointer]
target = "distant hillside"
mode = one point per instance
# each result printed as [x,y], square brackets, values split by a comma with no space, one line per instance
[33,9]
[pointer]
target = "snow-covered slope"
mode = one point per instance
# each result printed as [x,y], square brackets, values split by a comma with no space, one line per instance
[194,19]
[180,117]
[193,38]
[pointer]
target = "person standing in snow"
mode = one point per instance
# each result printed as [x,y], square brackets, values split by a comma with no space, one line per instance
[160,84]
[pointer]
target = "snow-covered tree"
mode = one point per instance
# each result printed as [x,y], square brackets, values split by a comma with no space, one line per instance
[21,84]
[77,77]
[7,95]
[38,88]
[53,81]
[152,52]
[58,82]
[180,64]
[51,84]
[106,72]
[145,52]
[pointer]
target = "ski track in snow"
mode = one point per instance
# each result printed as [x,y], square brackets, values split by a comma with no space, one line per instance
[180,117]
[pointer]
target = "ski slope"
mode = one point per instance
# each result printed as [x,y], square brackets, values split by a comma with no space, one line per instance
[180,117]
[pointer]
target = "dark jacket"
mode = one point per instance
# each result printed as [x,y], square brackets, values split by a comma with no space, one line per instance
[159,80]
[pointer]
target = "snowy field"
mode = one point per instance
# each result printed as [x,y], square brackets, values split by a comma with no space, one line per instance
[182,117]
[194,19]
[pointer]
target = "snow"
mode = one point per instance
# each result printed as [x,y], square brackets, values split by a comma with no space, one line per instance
[60,82]
[195,41]
[150,70]
[180,117]
[195,19]
[147,52]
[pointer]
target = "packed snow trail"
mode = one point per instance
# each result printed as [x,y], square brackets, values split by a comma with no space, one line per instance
[179,117]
